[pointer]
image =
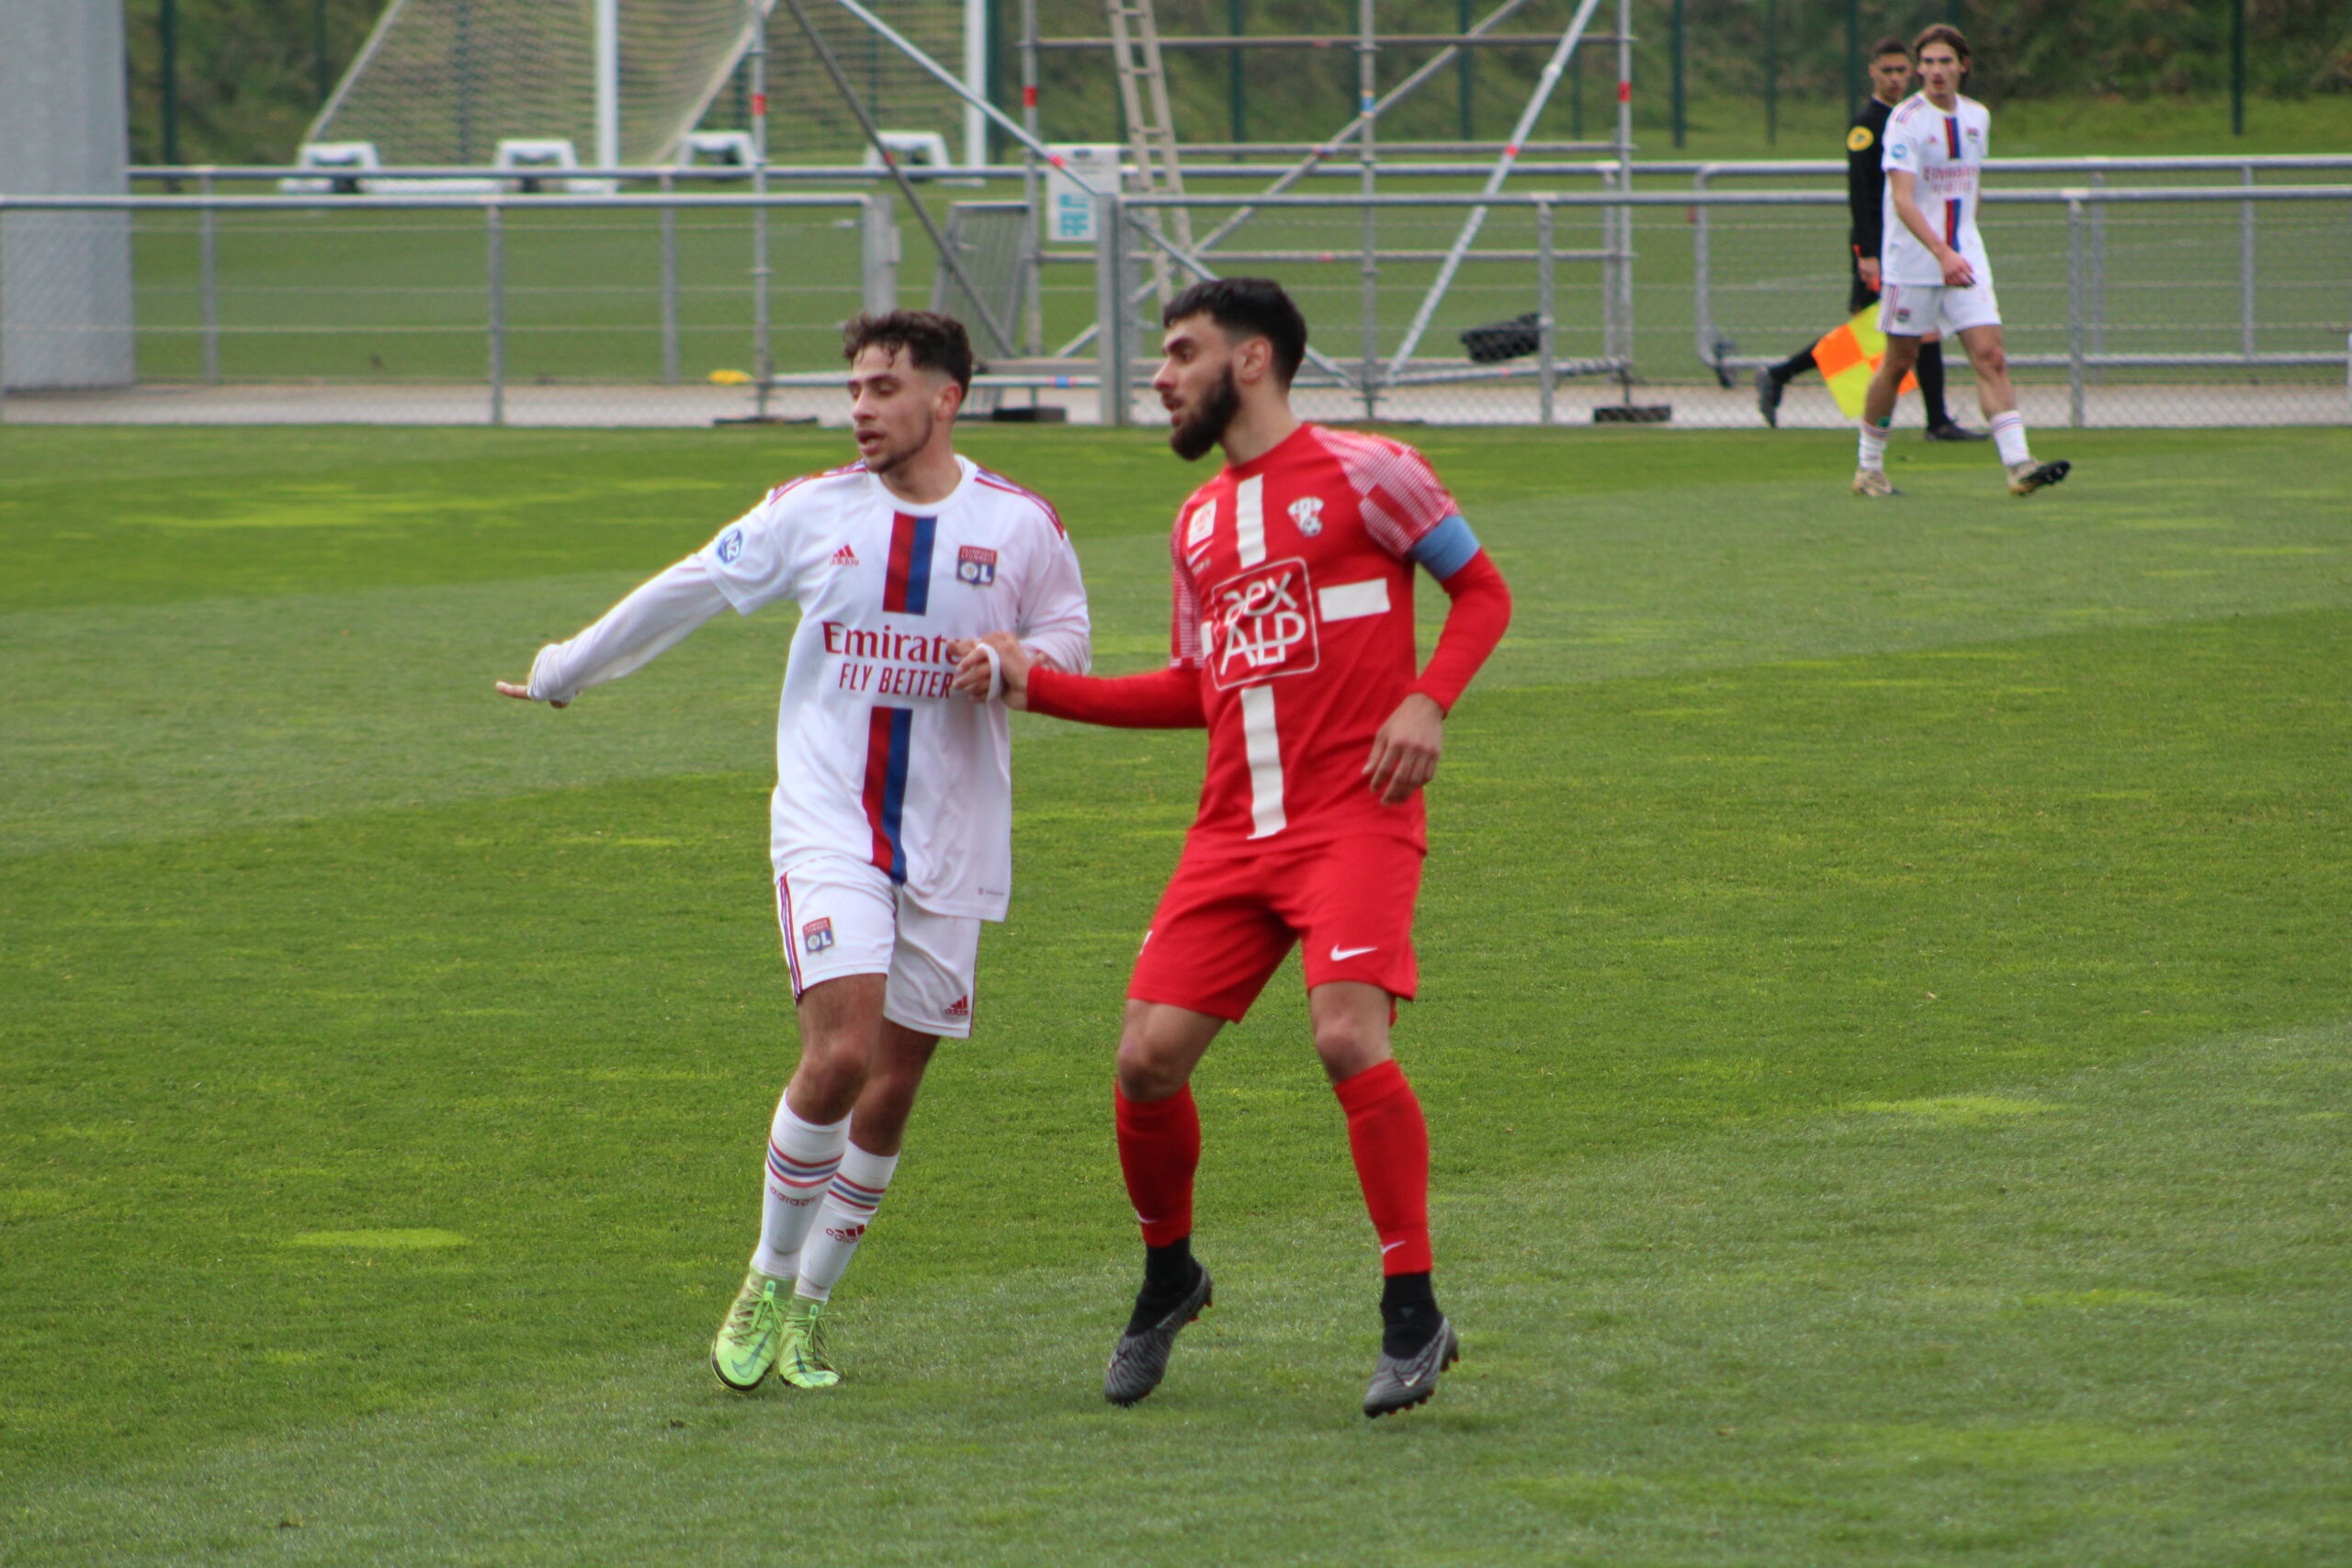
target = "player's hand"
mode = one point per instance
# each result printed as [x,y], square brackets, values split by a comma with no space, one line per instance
[972,673]
[1958,273]
[1404,754]
[1868,268]
[509,689]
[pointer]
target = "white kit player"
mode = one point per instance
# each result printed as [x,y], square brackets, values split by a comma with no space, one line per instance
[891,828]
[1935,277]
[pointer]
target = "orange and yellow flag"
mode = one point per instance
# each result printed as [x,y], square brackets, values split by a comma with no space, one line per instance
[1848,358]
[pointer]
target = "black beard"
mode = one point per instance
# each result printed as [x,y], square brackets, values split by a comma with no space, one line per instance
[1194,437]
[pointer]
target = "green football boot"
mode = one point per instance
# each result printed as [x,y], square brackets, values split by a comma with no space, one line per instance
[801,1356]
[745,1350]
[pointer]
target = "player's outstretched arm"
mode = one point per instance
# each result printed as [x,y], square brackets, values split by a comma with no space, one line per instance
[654,618]
[1164,699]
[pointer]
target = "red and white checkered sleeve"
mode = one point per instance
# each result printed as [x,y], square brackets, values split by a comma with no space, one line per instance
[1399,496]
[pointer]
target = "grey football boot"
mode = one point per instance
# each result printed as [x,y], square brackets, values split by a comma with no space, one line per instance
[1399,1382]
[1140,1360]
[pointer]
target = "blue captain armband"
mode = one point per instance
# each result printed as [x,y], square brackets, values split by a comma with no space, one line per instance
[1446,548]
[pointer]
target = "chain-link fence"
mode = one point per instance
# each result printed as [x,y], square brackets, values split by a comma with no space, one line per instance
[2181,292]
[438,306]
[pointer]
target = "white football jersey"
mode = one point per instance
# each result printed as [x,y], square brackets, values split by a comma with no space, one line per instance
[873,757]
[1943,153]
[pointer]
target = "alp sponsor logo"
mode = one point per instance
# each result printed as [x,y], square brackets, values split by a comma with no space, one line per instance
[1307,513]
[976,566]
[817,935]
[730,545]
[1259,626]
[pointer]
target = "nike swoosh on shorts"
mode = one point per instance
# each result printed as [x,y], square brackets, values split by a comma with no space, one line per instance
[1341,954]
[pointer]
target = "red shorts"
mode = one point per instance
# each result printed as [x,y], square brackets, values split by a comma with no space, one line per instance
[1225,924]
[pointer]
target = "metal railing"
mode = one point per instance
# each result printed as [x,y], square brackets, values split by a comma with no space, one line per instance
[2261,298]
[878,268]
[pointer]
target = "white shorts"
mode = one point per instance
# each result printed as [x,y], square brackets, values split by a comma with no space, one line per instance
[1915,309]
[844,917]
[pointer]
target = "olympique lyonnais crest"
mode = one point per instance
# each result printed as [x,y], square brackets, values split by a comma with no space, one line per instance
[817,935]
[1261,626]
[976,566]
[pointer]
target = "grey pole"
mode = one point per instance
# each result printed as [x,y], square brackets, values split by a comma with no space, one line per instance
[1033,287]
[208,282]
[494,229]
[2245,271]
[1702,306]
[2077,299]
[2098,276]
[879,253]
[1111,308]
[1368,181]
[763,355]
[669,286]
[1548,373]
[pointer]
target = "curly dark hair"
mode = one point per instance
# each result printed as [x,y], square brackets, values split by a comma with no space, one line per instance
[932,341]
[1248,307]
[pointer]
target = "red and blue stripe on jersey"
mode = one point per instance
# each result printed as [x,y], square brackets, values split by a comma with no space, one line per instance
[906,588]
[1951,223]
[890,737]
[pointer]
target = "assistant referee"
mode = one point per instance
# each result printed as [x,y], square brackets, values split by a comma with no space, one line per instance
[1865,192]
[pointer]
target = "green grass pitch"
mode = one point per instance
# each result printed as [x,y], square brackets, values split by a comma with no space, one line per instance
[1889,1001]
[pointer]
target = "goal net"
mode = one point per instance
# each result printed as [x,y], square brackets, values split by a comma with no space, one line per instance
[442,81]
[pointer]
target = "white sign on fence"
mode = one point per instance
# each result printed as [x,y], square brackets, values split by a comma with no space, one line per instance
[1070,210]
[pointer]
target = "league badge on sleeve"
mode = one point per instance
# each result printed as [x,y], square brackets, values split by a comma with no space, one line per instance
[975,566]
[730,545]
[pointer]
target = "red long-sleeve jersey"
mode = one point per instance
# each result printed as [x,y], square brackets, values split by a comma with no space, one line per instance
[1292,637]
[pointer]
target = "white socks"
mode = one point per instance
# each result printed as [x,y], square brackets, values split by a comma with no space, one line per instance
[2008,438]
[1873,454]
[802,1157]
[850,1201]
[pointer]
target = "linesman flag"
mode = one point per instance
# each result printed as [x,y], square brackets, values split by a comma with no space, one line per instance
[1848,356]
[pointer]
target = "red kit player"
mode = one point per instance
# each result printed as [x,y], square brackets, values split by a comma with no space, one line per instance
[1293,646]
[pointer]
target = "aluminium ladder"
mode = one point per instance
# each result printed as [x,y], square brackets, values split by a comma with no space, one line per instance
[1151,128]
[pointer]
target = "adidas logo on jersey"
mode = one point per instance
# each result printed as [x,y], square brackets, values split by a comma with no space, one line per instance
[961,1006]
[844,557]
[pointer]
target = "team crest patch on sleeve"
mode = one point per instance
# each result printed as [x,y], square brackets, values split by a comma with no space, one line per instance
[817,935]
[730,545]
[976,566]
[1259,626]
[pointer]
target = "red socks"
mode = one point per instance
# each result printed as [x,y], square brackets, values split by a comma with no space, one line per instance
[1392,1148]
[1160,1148]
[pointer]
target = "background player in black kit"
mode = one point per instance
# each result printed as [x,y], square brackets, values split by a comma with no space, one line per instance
[1865,187]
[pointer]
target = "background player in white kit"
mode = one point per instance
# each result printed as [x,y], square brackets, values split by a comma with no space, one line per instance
[1934,274]
[891,826]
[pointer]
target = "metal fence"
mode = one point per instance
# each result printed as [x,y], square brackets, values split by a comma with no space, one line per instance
[2143,292]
